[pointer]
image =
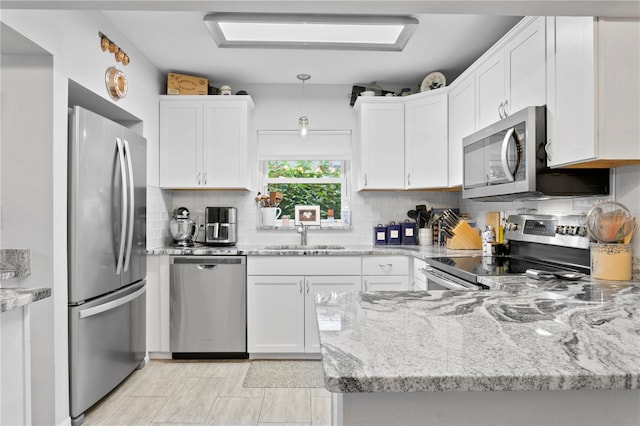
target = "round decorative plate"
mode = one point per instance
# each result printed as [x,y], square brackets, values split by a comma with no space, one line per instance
[116,82]
[435,80]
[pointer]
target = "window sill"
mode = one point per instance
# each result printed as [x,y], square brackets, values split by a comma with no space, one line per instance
[338,226]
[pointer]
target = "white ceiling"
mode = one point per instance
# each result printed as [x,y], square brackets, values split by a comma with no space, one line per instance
[446,43]
[451,35]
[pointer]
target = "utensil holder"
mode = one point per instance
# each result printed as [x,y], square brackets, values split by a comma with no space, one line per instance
[464,238]
[611,261]
[425,236]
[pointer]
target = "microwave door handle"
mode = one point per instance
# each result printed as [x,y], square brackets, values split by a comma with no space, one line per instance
[216,230]
[505,160]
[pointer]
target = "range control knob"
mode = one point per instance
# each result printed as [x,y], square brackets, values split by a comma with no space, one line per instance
[511,226]
[571,230]
[560,229]
[582,231]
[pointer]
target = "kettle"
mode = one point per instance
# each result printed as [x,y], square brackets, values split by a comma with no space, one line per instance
[183,229]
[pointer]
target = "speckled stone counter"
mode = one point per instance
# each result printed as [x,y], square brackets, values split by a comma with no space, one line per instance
[405,352]
[529,335]
[14,263]
[11,298]
[422,252]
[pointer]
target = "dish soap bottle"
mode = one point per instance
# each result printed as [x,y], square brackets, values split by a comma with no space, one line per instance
[345,214]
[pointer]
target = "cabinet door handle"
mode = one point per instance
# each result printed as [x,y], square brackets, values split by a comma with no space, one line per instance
[300,285]
[506,108]
[307,285]
[198,178]
[501,110]
[204,178]
[385,266]
[365,179]
[409,179]
[547,149]
[366,287]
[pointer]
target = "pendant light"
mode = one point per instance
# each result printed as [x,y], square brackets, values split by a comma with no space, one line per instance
[303,121]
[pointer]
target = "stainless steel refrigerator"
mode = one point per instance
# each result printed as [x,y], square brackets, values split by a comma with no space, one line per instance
[106,255]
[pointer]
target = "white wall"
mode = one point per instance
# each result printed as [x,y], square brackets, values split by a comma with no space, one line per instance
[27,202]
[71,37]
[27,199]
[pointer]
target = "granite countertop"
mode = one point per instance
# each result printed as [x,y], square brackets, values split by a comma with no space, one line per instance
[526,335]
[422,252]
[11,298]
[15,263]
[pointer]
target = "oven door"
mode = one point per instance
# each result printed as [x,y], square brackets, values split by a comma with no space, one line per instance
[439,280]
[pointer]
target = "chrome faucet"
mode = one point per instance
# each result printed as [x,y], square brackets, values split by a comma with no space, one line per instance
[302,230]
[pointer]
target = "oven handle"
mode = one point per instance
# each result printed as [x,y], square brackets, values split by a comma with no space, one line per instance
[445,281]
[511,133]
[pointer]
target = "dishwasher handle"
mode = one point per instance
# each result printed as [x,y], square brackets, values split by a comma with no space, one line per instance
[208,262]
[207,267]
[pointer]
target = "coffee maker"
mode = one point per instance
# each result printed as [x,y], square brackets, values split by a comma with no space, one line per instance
[220,226]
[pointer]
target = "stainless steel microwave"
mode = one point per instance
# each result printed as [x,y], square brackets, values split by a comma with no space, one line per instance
[507,161]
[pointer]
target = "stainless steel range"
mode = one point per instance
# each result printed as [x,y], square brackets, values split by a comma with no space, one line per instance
[542,246]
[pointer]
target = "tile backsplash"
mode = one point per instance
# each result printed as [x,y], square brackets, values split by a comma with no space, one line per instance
[367,210]
[371,208]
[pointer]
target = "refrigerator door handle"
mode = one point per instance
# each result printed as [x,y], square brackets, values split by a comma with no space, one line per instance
[89,312]
[131,212]
[125,207]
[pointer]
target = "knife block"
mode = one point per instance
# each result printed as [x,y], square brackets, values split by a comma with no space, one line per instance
[464,238]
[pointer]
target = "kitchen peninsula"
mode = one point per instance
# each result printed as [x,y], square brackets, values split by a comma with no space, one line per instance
[529,352]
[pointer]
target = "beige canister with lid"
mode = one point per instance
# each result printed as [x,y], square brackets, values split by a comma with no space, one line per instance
[611,261]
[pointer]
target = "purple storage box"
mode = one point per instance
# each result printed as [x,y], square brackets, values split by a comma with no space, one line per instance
[409,233]
[394,233]
[380,234]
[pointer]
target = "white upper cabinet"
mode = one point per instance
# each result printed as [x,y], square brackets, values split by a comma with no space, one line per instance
[525,76]
[593,107]
[381,130]
[203,142]
[425,146]
[180,143]
[512,77]
[403,141]
[462,122]
[490,82]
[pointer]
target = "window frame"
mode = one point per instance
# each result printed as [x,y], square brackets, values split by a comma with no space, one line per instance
[343,180]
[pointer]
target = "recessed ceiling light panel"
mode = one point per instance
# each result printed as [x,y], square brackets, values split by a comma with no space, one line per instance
[295,31]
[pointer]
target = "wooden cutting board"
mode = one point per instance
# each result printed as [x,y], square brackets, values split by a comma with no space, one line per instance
[493,220]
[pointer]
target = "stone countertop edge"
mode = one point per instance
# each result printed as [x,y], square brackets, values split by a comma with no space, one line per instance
[525,335]
[421,252]
[11,298]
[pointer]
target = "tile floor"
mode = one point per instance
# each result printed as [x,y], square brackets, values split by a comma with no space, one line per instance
[169,392]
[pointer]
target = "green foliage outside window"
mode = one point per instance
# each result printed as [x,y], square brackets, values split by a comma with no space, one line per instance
[306,192]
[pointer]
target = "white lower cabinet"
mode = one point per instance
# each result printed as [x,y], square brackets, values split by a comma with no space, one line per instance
[280,308]
[419,279]
[385,273]
[325,285]
[275,314]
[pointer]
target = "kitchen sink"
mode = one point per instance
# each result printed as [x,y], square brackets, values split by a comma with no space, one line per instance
[303,247]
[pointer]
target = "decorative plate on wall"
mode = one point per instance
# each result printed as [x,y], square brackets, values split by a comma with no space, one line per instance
[116,82]
[435,80]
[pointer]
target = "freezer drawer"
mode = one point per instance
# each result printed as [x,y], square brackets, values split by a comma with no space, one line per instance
[107,339]
[208,305]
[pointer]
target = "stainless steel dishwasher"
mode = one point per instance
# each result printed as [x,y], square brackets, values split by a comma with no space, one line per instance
[208,312]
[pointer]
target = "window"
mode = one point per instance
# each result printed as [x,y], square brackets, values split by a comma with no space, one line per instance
[307,182]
